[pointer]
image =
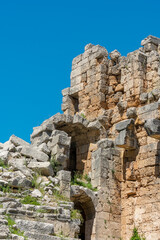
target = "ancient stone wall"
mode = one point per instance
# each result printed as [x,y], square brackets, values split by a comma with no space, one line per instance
[109,133]
[122,93]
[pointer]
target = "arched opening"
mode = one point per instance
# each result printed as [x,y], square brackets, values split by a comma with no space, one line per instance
[83,201]
[78,206]
[81,140]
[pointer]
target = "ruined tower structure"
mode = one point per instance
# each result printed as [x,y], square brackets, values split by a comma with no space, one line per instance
[109,131]
[112,123]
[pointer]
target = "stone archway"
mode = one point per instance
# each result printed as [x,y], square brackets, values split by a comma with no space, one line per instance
[85,201]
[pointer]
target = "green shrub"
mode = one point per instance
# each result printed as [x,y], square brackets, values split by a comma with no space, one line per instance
[83,115]
[2,164]
[13,230]
[30,200]
[84,181]
[5,189]
[55,164]
[35,184]
[136,236]
[59,197]
[87,178]
[76,214]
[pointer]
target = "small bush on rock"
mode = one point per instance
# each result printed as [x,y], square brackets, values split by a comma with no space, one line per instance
[135,235]
[80,180]
[12,227]
[76,214]
[55,164]
[30,200]
[2,164]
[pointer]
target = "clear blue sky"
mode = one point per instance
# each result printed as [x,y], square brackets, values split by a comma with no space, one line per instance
[39,39]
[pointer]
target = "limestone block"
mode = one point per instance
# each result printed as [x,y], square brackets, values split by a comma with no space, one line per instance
[65,182]
[95,125]
[119,88]
[77,59]
[125,124]
[20,164]
[44,167]
[76,72]
[61,139]
[33,152]
[125,141]
[148,47]
[156,93]
[9,146]
[88,46]
[143,97]
[18,141]
[48,125]
[18,179]
[150,97]
[131,112]
[76,89]
[81,120]
[114,55]
[105,143]
[43,148]
[35,226]
[115,70]
[75,81]
[149,111]
[152,127]
[150,39]
[64,175]
[66,91]
[36,193]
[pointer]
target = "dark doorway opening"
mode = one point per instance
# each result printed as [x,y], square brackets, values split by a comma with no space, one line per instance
[72,158]
[82,226]
[75,102]
[83,202]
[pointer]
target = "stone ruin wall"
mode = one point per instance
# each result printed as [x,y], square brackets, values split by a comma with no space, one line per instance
[127,174]
[110,130]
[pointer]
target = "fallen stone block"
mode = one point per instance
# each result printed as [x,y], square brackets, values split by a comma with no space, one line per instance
[20,164]
[34,153]
[36,193]
[35,226]
[4,155]
[18,141]
[44,167]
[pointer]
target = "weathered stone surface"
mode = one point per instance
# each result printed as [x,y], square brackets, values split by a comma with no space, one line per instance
[144,97]
[131,112]
[152,127]
[126,124]
[65,182]
[18,141]
[1,145]
[20,164]
[102,136]
[150,39]
[43,148]
[124,140]
[34,153]
[44,168]
[36,193]
[114,55]
[34,226]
